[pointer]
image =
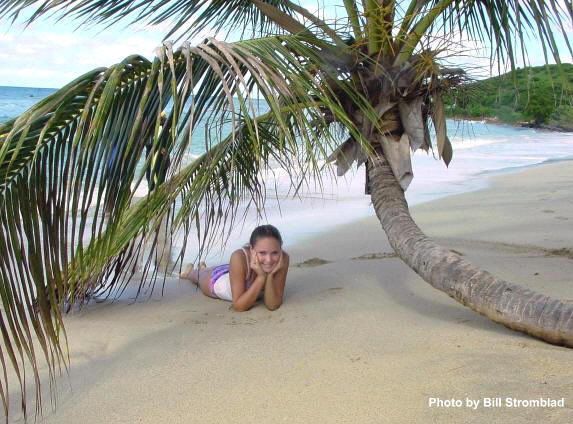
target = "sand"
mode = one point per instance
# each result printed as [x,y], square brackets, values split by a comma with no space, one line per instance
[360,337]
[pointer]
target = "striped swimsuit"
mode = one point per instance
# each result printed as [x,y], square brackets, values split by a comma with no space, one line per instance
[220,284]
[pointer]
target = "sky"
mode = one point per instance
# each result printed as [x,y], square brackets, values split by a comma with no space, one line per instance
[51,54]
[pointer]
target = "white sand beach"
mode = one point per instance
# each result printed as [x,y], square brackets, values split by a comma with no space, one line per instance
[359,339]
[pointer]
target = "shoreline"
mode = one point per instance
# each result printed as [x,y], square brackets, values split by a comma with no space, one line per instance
[485,179]
[358,205]
[359,338]
[494,120]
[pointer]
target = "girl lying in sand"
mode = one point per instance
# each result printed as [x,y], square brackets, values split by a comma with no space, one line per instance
[257,269]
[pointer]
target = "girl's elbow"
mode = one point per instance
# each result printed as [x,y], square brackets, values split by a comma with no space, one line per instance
[240,308]
[274,307]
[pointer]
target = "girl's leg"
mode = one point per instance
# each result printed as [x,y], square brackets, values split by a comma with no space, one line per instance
[200,277]
[190,273]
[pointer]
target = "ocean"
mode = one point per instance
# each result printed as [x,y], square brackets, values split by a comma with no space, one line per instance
[480,150]
[15,100]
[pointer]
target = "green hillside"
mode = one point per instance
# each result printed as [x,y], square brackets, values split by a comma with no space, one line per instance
[540,99]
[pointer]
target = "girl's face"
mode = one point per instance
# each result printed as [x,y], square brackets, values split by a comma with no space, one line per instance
[268,251]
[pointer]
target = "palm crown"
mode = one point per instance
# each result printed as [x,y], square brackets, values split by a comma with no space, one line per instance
[368,85]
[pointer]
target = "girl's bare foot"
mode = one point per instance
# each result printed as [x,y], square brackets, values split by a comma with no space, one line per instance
[202,265]
[186,273]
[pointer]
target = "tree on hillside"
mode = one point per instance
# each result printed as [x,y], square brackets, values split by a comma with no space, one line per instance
[538,107]
[365,87]
[528,94]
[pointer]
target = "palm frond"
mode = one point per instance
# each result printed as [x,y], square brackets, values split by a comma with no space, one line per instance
[186,18]
[72,164]
[502,24]
[293,133]
[320,24]
[373,26]
[352,12]
[62,161]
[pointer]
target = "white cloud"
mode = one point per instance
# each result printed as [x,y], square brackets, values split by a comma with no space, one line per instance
[61,52]
[51,57]
[60,40]
[36,73]
[6,38]
[161,28]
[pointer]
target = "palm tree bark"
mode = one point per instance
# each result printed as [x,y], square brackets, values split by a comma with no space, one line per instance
[515,307]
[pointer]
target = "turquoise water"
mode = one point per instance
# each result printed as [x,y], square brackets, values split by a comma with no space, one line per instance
[15,100]
[480,150]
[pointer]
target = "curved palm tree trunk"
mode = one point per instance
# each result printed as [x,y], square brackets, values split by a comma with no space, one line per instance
[515,307]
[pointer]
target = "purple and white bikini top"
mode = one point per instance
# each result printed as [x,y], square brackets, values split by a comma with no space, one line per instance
[220,270]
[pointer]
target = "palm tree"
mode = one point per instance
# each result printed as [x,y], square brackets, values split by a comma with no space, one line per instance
[366,87]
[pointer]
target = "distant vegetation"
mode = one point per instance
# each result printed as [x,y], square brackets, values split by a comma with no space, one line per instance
[540,99]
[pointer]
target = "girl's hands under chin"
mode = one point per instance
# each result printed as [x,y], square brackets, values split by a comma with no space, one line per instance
[255,265]
[278,266]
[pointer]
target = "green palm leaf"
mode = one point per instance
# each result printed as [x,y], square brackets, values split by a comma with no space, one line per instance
[76,154]
[187,17]
[56,165]
[501,24]
[292,133]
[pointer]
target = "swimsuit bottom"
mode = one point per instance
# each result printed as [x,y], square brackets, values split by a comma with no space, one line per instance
[220,283]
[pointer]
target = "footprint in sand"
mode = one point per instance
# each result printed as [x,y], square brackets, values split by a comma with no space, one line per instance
[380,255]
[563,218]
[566,252]
[327,293]
[367,256]
[241,321]
[312,262]
[334,289]
[547,211]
